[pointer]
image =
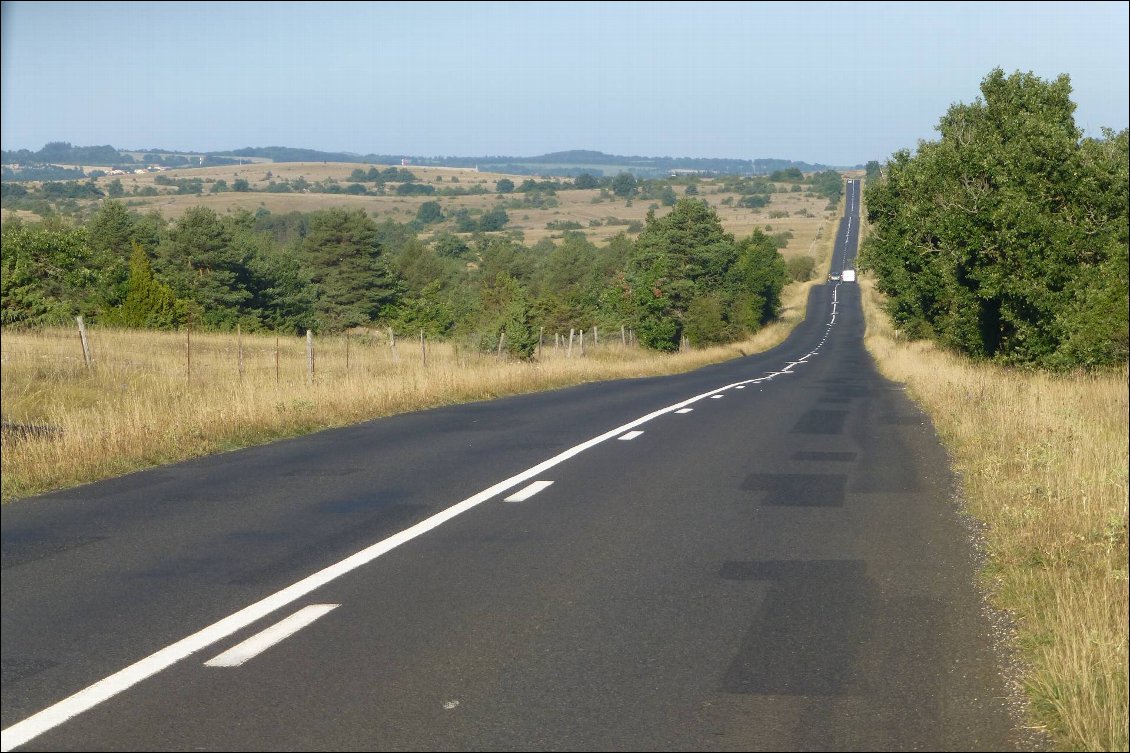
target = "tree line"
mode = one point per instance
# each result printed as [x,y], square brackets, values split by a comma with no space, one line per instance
[1007,238]
[332,270]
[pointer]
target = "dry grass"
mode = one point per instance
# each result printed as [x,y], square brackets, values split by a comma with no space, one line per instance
[1043,463]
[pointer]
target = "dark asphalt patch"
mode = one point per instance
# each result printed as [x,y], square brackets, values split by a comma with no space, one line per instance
[805,639]
[836,457]
[821,422]
[798,489]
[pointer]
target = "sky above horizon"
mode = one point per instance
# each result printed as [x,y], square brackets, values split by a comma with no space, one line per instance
[831,83]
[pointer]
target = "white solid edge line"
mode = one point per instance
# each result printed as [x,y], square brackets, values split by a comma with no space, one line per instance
[529,491]
[629,436]
[262,641]
[108,687]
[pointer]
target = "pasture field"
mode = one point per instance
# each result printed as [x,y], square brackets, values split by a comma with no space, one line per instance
[806,215]
[1042,465]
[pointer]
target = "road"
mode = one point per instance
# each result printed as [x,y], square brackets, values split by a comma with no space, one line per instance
[759,555]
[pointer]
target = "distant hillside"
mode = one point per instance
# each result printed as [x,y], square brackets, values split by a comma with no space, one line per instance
[567,164]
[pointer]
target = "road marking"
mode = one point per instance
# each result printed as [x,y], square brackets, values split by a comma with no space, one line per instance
[740,387]
[717,397]
[108,687]
[630,436]
[684,410]
[528,492]
[280,631]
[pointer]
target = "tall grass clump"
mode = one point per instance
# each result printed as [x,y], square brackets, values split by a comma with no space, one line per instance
[1042,459]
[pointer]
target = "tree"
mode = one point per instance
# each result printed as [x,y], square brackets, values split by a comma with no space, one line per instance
[1006,238]
[675,259]
[240,185]
[495,219]
[449,245]
[47,276]
[111,233]
[202,266]
[149,303]
[354,284]
[429,212]
[504,185]
[624,185]
[585,181]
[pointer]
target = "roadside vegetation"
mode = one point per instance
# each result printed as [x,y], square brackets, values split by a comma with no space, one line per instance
[143,404]
[997,293]
[1041,458]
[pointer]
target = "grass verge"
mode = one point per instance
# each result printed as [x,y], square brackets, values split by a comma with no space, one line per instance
[1042,460]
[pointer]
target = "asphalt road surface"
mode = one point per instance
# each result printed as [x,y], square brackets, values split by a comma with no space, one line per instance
[759,555]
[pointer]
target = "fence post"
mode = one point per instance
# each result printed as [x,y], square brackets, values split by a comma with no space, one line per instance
[541,335]
[86,355]
[276,358]
[188,340]
[501,339]
[569,352]
[423,350]
[310,356]
[623,337]
[239,348]
[347,351]
[595,336]
[392,345]
[582,343]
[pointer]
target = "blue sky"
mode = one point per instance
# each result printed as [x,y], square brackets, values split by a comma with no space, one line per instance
[835,83]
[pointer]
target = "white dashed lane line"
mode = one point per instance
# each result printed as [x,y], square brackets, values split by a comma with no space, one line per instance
[262,641]
[527,492]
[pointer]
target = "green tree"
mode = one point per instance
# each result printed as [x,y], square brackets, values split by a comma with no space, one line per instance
[449,245]
[675,259]
[149,303]
[47,275]
[504,185]
[429,212]
[202,266]
[1006,238]
[624,185]
[240,185]
[585,181]
[495,219]
[353,282]
[111,234]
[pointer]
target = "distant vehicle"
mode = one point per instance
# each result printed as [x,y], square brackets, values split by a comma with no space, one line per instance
[833,277]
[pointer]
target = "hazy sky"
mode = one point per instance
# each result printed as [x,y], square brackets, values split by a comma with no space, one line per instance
[835,83]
